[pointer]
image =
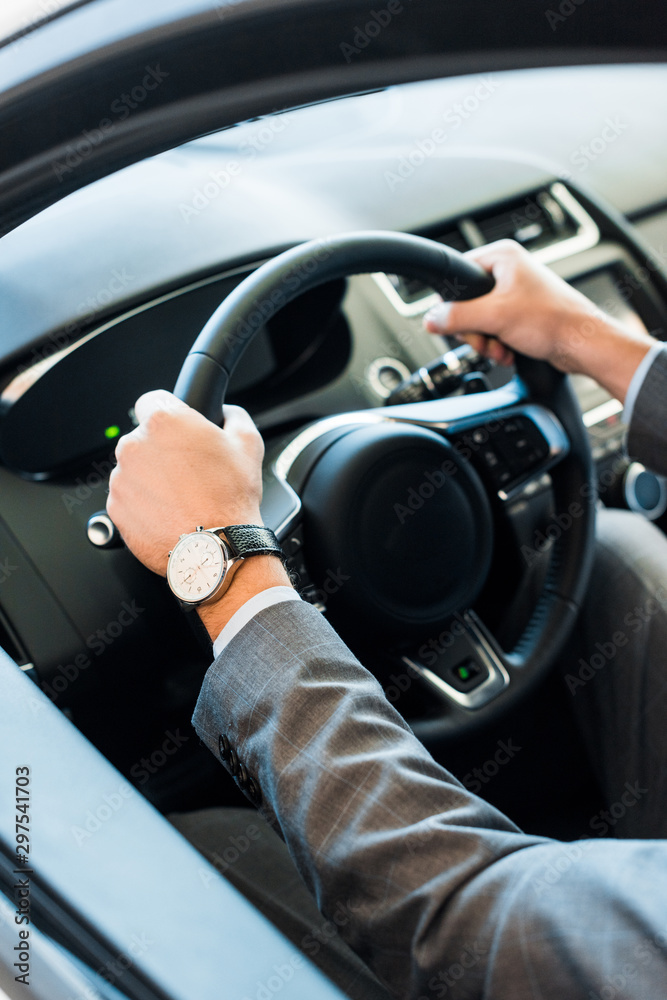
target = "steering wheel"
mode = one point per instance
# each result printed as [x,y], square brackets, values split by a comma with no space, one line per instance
[390,509]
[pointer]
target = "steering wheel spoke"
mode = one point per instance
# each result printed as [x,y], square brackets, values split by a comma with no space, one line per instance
[512,447]
[463,665]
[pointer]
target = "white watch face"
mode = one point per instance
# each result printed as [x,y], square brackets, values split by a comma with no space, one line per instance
[197,566]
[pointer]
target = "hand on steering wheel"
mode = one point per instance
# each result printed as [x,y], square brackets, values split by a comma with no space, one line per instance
[343,480]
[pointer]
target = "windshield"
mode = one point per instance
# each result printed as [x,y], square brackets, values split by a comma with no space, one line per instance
[18,17]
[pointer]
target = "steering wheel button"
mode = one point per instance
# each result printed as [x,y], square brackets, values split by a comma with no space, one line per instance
[467,675]
[522,445]
[496,465]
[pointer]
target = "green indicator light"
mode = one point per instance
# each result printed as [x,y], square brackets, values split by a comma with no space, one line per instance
[464,673]
[112,432]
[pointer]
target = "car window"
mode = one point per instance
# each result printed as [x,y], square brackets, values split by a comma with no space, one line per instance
[19,17]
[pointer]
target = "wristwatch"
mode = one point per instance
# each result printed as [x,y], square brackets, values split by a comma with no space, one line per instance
[202,563]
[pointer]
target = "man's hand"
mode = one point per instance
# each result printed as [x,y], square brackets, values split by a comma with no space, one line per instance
[176,471]
[533,311]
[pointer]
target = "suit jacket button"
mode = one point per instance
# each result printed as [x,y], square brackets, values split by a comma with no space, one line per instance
[243,776]
[224,748]
[254,791]
[233,762]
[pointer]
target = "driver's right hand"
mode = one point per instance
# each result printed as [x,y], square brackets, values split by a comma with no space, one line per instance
[535,312]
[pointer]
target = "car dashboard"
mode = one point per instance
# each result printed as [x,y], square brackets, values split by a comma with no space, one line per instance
[104,294]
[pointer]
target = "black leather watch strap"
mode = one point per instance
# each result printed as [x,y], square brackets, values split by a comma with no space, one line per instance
[252,540]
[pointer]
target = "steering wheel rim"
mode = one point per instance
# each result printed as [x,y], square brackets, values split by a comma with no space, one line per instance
[204,377]
[206,372]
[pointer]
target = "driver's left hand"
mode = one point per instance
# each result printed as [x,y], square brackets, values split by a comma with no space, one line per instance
[177,470]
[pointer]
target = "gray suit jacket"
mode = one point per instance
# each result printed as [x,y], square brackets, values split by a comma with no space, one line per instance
[445,896]
[647,432]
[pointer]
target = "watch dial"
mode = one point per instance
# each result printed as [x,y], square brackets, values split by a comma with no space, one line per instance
[196,567]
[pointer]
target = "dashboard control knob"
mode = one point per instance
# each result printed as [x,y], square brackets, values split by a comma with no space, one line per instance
[644,491]
[384,374]
[102,532]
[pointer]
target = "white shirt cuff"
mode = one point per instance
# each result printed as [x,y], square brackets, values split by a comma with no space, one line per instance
[638,381]
[265,599]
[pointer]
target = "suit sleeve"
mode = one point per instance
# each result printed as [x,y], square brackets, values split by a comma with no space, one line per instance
[443,896]
[647,433]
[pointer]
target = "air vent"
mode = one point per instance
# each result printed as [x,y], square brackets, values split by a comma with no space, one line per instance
[550,223]
[452,238]
[536,222]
